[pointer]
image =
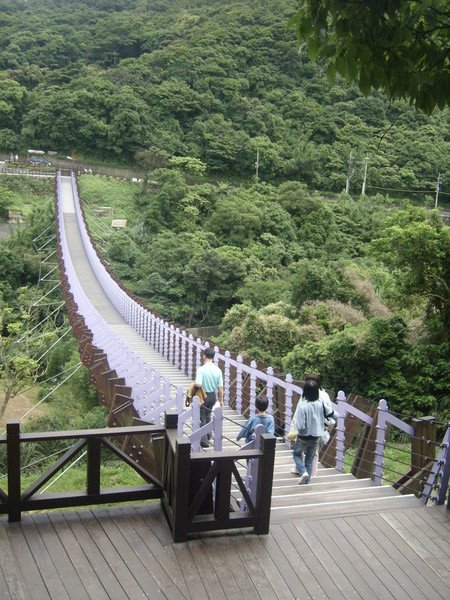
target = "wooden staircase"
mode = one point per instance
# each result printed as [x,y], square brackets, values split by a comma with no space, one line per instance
[329,494]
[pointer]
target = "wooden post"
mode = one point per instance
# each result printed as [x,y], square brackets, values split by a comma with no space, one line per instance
[13,460]
[265,481]
[223,491]
[180,504]
[422,443]
[93,466]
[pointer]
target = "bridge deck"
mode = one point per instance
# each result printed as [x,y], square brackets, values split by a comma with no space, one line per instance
[100,300]
[127,553]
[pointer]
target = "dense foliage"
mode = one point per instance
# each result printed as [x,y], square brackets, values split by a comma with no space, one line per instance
[356,289]
[206,80]
[35,351]
[400,46]
[353,289]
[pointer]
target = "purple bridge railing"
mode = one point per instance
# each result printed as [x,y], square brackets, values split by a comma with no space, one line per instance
[153,395]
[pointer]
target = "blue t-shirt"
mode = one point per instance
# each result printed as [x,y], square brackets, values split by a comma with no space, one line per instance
[210,377]
[248,429]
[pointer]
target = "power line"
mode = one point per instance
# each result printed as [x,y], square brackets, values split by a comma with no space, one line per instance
[377,187]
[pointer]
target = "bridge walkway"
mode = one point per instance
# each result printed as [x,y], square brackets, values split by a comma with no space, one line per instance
[99,299]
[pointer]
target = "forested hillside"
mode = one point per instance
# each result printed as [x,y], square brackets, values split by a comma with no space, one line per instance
[297,272]
[208,79]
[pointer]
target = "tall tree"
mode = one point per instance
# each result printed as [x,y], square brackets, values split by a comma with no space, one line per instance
[399,46]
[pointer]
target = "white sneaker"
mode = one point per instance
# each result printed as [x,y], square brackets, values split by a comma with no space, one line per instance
[295,471]
[303,478]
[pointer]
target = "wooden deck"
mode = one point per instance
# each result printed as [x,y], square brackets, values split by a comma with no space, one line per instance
[127,553]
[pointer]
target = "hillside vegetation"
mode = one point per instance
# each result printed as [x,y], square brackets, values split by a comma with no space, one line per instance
[211,80]
[297,272]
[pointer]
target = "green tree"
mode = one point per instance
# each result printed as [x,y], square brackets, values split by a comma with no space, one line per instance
[20,347]
[398,46]
[417,244]
[236,220]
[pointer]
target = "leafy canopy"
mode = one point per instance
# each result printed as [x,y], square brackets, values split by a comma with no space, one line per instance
[398,46]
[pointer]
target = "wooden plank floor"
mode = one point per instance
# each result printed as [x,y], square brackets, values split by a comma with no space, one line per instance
[127,553]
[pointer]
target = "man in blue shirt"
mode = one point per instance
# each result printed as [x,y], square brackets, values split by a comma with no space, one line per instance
[210,377]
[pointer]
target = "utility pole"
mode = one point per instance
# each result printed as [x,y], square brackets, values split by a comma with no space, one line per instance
[349,173]
[363,190]
[438,187]
[257,163]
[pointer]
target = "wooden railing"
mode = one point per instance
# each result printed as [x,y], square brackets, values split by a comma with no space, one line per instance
[15,501]
[197,487]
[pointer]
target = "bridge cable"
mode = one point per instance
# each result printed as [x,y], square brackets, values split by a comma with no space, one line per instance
[51,391]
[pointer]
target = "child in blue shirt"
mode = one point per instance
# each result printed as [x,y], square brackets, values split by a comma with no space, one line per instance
[260,418]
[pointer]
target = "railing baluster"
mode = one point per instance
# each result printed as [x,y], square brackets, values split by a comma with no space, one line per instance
[380,441]
[252,387]
[177,348]
[191,356]
[288,404]
[183,352]
[239,384]
[198,355]
[340,430]
[269,388]
[226,379]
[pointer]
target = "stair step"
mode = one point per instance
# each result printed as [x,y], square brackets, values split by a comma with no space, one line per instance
[302,495]
[291,486]
[341,507]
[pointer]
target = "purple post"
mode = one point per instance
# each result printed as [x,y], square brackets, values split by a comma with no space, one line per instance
[198,357]
[269,390]
[183,353]
[288,404]
[445,475]
[381,428]
[252,469]
[191,356]
[171,343]
[239,385]
[217,417]
[252,387]
[226,379]
[340,430]
[180,400]
[166,341]
[152,332]
[177,348]
[196,421]
[161,336]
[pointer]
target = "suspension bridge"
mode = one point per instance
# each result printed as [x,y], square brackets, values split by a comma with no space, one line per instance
[346,534]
